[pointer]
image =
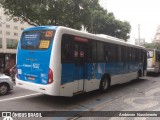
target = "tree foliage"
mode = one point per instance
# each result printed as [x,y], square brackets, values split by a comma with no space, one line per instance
[69,13]
[155,45]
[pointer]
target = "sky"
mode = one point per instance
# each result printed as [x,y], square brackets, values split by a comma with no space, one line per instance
[146,13]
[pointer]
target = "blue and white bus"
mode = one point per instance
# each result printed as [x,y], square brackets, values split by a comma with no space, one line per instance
[60,61]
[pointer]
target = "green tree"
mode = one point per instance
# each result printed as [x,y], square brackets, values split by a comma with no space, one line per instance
[152,45]
[122,30]
[45,12]
[69,13]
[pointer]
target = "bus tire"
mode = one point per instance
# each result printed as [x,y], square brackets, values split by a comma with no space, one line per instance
[104,84]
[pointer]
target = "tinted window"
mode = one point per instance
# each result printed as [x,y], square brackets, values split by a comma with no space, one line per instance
[110,52]
[93,51]
[119,53]
[100,52]
[133,54]
[150,54]
[124,54]
[107,52]
[139,55]
[129,53]
[66,48]
[36,39]
[158,57]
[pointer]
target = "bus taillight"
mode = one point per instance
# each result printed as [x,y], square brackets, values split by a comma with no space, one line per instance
[50,76]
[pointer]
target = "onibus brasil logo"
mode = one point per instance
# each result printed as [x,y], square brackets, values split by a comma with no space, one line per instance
[7,116]
[11,115]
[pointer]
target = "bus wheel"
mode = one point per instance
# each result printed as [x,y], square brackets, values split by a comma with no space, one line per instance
[104,84]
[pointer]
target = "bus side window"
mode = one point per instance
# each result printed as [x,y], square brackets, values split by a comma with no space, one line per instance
[93,51]
[129,55]
[66,49]
[107,52]
[124,54]
[158,57]
[119,53]
[133,55]
[137,55]
[107,55]
[100,52]
[113,53]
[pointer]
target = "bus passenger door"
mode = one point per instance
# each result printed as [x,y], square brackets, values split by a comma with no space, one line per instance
[80,52]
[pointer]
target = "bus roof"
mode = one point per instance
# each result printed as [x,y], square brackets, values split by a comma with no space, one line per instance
[109,39]
[42,28]
[100,37]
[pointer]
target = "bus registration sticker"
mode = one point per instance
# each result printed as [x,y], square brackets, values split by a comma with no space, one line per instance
[20,71]
[44,44]
[31,78]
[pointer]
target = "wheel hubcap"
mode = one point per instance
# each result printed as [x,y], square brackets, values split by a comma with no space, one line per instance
[3,89]
[105,84]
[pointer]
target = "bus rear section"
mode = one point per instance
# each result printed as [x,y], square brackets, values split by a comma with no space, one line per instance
[153,61]
[33,61]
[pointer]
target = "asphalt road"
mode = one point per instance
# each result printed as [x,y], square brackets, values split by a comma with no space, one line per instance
[137,95]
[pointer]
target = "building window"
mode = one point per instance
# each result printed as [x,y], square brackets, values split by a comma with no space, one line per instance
[11,43]
[7,33]
[22,28]
[7,26]
[7,19]
[0,42]
[22,22]
[16,27]
[15,34]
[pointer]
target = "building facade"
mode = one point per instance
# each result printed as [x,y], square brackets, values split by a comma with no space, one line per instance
[157,35]
[140,42]
[10,32]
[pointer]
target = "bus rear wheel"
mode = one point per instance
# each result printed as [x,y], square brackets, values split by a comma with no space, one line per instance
[104,84]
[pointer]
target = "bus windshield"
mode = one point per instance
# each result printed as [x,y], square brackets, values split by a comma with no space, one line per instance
[35,40]
[150,54]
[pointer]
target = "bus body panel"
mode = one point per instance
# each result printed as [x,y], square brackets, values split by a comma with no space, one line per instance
[123,78]
[45,89]
[33,68]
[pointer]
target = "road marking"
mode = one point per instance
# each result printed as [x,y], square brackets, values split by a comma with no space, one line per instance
[19,97]
[101,105]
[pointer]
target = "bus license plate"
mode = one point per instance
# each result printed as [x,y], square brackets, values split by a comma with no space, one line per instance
[31,78]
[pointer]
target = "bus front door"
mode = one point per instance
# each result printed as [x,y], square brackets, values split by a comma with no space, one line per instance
[80,52]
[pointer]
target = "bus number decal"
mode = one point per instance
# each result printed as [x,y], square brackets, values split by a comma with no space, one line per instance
[49,34]
[44,44]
